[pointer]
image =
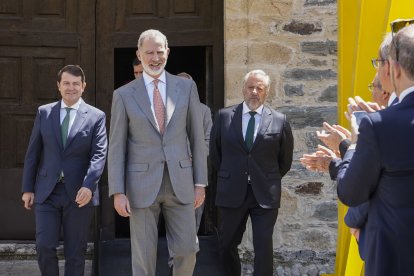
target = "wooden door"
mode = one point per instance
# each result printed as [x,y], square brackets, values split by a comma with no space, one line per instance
[185,23]
[37,38]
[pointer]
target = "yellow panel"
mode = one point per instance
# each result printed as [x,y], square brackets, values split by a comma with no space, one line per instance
[400,9]
[355,265]
[372,24]
[348,14]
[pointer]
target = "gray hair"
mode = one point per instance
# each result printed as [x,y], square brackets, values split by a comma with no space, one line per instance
[258,72]
[384,49]
[151,33]
[404,41]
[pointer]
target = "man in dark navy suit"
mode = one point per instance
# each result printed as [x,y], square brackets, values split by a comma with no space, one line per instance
[64,162]
[251,146]
[375,169]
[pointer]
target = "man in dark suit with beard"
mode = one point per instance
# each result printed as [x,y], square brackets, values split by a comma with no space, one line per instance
[251,146]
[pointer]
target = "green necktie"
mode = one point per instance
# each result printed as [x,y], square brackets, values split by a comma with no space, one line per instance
[64,127]
[250,131]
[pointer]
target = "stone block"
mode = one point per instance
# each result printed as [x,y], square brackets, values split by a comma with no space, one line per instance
[317,62]
[319,2]
[309,188]
[309,116]
[320,48]
[293,90]
[235,8]
[236,29]
[326,211]
[236,53]
[302,28]
[269,53]
[309,74]
[316,238]
[278,8]
[330,94]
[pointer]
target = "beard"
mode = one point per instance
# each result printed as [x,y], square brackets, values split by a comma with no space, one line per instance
[151,72]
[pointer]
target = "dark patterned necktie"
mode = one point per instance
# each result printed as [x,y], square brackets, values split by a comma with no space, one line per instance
[250,131]
[64,127]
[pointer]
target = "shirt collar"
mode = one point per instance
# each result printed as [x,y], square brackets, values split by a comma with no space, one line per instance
[74,106]
[148,79]
[246,109]
[405,93]
[391,98]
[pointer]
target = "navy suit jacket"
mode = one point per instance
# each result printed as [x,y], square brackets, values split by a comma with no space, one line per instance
[82,160]
[381,169]
[268,161]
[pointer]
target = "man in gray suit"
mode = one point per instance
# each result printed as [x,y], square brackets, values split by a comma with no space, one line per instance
[64,161]
[150,169]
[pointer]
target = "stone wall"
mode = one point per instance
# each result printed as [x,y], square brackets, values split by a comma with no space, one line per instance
[295,42]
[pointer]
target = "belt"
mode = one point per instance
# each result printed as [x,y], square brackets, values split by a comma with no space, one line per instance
[249,181]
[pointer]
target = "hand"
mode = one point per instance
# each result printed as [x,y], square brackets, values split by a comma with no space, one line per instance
[199,196]
[333,137]
[121,205]
[367,106]
[28,198]
[355,232]
[318,161]
[83,197]
[358,104]
[343,131]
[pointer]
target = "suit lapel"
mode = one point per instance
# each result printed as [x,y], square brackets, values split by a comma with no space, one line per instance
[264,125]
[142,99]
[171,97]
[236,122]
[81,114]
[55,114]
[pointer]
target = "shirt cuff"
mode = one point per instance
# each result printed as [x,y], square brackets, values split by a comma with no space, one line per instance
[200,185]
[352,147]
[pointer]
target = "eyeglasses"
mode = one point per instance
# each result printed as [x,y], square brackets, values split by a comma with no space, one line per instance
[397,25]
[376,62]
[372,85]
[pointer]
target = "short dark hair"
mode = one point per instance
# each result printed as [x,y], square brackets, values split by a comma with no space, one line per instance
[136,62]
[74,70]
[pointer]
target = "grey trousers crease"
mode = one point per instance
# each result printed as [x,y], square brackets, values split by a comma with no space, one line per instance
[180,230]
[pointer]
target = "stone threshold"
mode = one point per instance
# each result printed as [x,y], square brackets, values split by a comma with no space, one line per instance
[10,250]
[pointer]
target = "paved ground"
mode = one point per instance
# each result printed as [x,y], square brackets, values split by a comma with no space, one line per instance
[29,267]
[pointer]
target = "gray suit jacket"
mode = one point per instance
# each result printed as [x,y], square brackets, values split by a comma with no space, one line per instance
[82,160]
[138,153]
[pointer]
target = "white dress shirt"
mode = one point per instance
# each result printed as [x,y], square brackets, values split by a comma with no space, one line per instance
[246,117]
[73,112]
[162,87]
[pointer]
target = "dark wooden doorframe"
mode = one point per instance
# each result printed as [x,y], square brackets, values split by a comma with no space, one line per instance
[185,23]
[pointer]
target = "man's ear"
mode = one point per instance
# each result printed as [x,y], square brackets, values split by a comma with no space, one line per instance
[385,95]
[138,55]
[397,69]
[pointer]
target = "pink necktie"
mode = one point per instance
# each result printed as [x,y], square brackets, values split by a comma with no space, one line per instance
[159,107]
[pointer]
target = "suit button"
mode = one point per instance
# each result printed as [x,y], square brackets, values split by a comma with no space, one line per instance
[245,173]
